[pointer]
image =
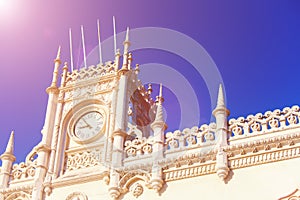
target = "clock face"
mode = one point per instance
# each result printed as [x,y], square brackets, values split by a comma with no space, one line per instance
[88,125]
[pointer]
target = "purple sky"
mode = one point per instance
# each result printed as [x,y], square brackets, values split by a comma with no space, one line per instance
[255,45]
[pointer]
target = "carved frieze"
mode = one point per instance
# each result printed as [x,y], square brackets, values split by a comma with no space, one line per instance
[83,159]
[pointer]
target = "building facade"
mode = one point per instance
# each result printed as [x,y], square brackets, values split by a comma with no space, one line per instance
[104,137]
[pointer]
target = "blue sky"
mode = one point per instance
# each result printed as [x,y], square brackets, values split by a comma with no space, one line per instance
[254,44]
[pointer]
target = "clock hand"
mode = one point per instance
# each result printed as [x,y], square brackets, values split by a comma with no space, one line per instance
[81,127]
[88,125]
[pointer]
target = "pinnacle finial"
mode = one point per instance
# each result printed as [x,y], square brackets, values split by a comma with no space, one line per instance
[159,117]
[58,53]
[10,144]
[126,42]
[220,102]
[149,88]
[126,56]
[160,90]
[127,34]
[159,98]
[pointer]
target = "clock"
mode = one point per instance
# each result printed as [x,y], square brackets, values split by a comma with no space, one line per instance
[88,126]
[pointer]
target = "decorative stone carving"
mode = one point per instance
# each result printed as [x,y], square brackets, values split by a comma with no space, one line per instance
[20,195]
[83,159]
[23,170]
[137,146]
[77,196]
[90,73]
[190,137]
[136,190]
[131,177]
[267,122]
[222,164]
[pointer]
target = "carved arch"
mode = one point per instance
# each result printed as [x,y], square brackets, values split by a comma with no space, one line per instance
[18,196]
[132,177]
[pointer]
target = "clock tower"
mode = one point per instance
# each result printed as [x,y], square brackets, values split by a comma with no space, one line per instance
[89,116]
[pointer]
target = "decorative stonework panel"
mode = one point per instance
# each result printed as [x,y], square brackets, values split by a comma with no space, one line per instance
[85,159]
[89,91]
[23,170]
[91,72]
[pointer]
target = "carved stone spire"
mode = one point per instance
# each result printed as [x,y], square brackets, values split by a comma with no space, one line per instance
[10,144]
[127,39]
[159,123]
[57,62]
[158,126]
[159,117]
[64,74]
[221,113]
[220,102]
[7,160]
[58,54]
[126,44]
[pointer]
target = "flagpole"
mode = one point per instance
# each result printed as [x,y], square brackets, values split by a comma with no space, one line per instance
[71,50]
[115,38]
[83,47]
[99,42]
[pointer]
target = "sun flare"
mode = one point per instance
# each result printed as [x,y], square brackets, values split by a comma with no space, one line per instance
[6,7]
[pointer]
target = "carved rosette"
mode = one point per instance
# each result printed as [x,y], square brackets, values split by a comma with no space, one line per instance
[136,190]
[77,196]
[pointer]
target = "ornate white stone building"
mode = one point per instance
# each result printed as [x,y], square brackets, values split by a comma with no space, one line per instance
[104,138]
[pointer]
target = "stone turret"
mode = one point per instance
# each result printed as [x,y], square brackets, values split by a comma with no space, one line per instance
[7,159]
[126,44]
[221,113]
[158,126]
[121,118]
[43,148]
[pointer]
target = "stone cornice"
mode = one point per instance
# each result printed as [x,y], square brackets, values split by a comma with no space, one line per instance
[8,156]
[16,188]
[52,89]
[78,179]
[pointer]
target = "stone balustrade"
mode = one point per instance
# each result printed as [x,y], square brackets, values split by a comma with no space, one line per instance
[262,123]
[138,147]
[189,137]
[23,170]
